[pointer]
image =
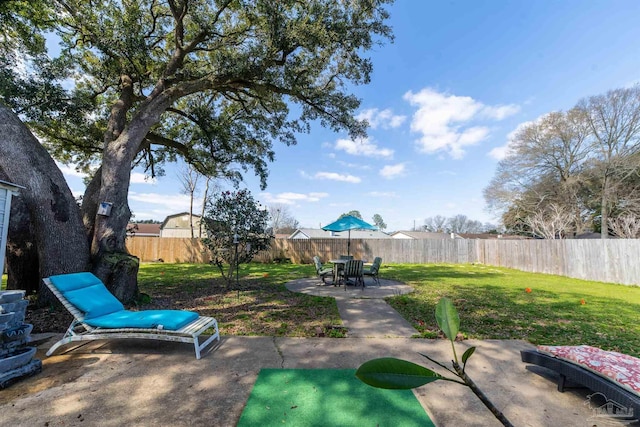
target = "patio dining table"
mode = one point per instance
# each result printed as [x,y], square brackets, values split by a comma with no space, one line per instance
[338,264]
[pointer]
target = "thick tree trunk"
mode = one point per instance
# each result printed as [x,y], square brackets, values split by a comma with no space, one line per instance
[89,207]
[60,240]
[22,253]
[604,209]
[111,261]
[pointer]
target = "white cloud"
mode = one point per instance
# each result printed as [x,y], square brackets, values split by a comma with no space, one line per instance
[500,112]
[499,153]
[503,151]
[333,176]
[393,171]
[162,199]
[156,214]
[444,121]
[70,170]
[140,178]
[362,147]
[384,119]
[348,165]
[385,194]
[289,198]
[136,177]
[157,206]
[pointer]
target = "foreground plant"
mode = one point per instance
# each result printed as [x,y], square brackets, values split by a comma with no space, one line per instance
[392,373]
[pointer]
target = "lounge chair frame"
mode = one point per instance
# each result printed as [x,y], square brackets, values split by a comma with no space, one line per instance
[80,331]
[574,373]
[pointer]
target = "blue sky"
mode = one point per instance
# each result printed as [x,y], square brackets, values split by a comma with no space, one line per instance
[443,99]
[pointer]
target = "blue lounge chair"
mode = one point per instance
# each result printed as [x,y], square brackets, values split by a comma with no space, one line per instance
[98,315]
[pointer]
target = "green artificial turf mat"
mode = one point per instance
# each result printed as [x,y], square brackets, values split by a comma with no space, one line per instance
[327,397]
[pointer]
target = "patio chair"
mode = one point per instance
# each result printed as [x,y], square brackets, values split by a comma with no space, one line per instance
[346,257]
[353,269]
[321,271]
[615,375]
[374,269]
[98,315]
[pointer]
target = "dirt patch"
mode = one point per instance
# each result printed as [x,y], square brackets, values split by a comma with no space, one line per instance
[55,372]
[48,319]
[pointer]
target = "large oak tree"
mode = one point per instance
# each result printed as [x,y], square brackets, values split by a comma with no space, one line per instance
[143,82]
[570,171]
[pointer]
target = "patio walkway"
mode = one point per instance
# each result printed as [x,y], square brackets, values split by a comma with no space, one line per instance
[363,311]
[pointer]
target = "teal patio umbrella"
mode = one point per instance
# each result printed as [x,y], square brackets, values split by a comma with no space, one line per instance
[348,223]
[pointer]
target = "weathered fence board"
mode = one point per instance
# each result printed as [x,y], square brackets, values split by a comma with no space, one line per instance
[168,249]
[614,260]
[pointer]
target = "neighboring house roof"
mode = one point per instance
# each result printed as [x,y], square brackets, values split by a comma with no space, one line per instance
[144,229]
[592,236]
[423,235]
[493,236]
[317,233]
[178,223]
[483,236]
[514,237]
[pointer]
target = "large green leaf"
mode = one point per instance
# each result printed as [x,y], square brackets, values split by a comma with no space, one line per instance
[447,318]
[392,373]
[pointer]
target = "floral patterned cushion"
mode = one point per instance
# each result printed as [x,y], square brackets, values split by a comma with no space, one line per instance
[621,368]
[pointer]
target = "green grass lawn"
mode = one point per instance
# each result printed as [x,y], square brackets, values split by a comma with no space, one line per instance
[493,304]
[259,305]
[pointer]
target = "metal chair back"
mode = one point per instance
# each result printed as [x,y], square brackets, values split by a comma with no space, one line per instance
[354,268]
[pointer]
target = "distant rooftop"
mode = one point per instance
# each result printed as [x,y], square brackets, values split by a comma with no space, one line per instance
[317,233]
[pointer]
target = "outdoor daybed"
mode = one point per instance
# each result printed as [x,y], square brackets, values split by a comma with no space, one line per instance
[615,375]
[98,315]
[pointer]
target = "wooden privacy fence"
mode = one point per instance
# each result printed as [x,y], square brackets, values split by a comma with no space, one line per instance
[168,249]
[613,260]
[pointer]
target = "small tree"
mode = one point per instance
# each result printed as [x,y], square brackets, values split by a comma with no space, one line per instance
[281,220]
[236,230]
[552,222]
[352,213]
[435,224]
[379,222]
[189,177]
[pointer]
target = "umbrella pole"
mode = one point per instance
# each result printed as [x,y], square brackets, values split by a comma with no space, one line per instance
[349,243]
